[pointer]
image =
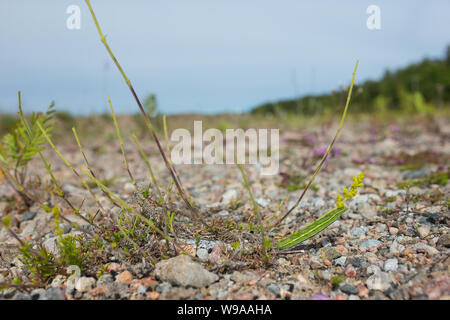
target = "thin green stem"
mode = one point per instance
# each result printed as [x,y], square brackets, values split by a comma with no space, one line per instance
[147,162]
[324,158]
[122,148]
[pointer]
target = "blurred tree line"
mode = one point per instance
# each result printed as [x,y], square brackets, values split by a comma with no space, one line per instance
[418,87]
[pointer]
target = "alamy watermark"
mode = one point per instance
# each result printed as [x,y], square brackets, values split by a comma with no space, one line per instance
[374,20]
[235,147]
[73,22]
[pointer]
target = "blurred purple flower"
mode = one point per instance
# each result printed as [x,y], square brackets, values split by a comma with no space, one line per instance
[320,297]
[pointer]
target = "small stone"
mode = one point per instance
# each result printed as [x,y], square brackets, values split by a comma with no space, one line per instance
[153,295]
[202,253]
[373,269]
[329,253]
[243,277]
[349,289]
[340,261]
[55,293]
[125,277]
[396,248]
[38,294]
[425,248]
[357,232]
[27,215]
[181,270]
[350,271]
[223,213]
[391,265]
[115,267]
[369,243]
[129,188]
[21,296]
[444,240]
[379,281]
[58,281]
[262,202]
[51,244]
[229,196]
[104,279]
[393,231]
[85,284]
[274,288]
[423,231]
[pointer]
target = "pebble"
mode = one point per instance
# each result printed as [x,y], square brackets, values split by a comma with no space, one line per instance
[349,289]
[444,240]
[128,188]
[379,281]
[426,248]
[274,288]
[340,261]
[357,232]
[54,293]
[27,215]
[38,294]
[181,270]
[391,265]
[350,271]
[329,253]
[229,196]
[369,243]
[223,213]
[21,296]
[125,277]
[393,231]
[85,284]
[423,231]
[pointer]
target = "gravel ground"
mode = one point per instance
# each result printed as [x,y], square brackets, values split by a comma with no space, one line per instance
[391,243]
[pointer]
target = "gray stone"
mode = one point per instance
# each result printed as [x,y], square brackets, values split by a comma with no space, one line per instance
[21,296]
[423,231]
[181,270]
[38,294]
[444,240]
[414,174]
[349,289]
[262,202]
[369,243]
[391,265]
[164,286]
[27,215]
[357,232]
[202,253]
[223,213]
[329,253]
[243,277]
[55,293]
[396,248]
[426,248]
[274,288]
[340,261]
[229,196]
[379,281]
[85,284]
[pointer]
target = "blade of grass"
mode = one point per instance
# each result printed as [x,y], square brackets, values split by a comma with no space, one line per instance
[168,164]
[122,145]
[322,161]
[147,162]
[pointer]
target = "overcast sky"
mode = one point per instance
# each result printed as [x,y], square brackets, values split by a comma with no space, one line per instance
[205,55]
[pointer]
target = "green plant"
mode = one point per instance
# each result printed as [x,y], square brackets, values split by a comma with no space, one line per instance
[325,220]
[19,147]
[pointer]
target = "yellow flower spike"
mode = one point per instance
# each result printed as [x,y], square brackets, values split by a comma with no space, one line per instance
[357,182]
